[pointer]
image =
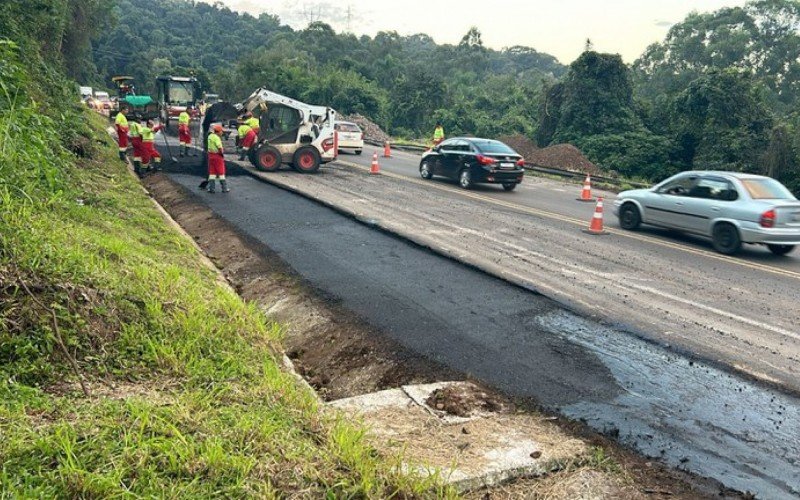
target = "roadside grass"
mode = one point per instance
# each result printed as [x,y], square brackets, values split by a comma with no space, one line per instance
[187,396]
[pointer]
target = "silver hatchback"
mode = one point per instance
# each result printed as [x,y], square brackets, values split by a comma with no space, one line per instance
[731,208]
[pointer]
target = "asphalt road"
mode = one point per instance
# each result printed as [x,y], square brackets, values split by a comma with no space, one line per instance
[686,412]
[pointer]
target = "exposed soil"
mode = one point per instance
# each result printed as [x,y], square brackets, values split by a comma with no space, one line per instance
[467,400]
[562,156]
[372,131]
[341,356]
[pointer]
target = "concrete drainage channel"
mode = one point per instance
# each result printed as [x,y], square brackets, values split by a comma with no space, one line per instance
[692,416]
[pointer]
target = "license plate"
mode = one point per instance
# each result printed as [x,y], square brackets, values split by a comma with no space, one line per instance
[506,165]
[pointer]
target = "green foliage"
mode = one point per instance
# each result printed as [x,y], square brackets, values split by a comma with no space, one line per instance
[596,97]
[632,154]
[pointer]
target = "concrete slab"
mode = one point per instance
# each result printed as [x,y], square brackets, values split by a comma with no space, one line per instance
[472,452]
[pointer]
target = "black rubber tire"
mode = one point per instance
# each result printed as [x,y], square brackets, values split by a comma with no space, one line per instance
[267,158]
[510,186]
[726,239]
[780,249]
[425,173]
[629,217]
[465,179]
[306,160]
[251,155]
[358,152]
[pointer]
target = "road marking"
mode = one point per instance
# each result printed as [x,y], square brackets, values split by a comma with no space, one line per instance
[582,223]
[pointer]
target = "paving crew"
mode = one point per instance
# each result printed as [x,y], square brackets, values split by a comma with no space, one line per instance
[184,134]
[135,133]
[121,124]
[149,151]
[247,137]
[438,134]
[216,159]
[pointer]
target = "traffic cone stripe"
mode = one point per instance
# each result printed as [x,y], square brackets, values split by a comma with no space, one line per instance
[596,225]
[375,168]
[387,150]
[586,192]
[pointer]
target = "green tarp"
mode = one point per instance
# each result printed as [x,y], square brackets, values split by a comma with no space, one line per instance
[138,100]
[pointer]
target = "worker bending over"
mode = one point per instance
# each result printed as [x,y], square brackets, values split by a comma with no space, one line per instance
[247,137]
[253,123]
[216,159]
[184,135]
[149,151]
[121,124]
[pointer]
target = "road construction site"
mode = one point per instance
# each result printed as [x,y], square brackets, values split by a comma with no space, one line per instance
[640,335]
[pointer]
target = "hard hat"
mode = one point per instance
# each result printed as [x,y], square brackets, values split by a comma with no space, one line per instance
[217,127]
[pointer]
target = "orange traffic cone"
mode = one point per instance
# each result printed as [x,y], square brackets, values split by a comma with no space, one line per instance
[596,226]
[375,168]
[586,193]
[387,150]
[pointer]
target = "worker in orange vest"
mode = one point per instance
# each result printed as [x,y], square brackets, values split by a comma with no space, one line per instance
[216,159]
[121,124]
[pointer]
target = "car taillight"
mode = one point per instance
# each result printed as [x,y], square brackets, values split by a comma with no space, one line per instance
[362,136]
[767,219]
[485,160]
[521,162]
[327,144]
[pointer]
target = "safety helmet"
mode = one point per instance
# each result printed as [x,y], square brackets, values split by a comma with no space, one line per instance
[217,128]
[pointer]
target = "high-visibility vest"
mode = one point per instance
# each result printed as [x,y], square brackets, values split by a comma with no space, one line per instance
[135,129]
[214,143]
[243,130]
[147,134]
[438,133]
[121,121]
[183,118]
[253,122]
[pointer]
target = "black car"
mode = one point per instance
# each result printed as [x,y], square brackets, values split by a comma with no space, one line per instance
[472,160]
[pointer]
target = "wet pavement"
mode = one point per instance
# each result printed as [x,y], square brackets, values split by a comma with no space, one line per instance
[689,414]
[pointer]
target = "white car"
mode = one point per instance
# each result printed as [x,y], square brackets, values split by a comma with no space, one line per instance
[351,138]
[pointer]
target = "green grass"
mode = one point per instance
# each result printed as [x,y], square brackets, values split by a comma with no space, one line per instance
[188,398]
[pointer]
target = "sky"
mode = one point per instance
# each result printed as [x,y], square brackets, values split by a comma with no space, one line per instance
[557,27]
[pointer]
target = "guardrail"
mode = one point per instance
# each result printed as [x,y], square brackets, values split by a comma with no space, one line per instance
[567,174]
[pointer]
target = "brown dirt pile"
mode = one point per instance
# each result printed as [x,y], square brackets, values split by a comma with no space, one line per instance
[371,129]
[563,156]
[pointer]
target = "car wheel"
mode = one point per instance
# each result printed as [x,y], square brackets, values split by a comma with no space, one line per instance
[509,186]
[358,152]
[629,217]
[268,159]
[306,160]
[425,171]
[780,249]
[725,239]
[465,179]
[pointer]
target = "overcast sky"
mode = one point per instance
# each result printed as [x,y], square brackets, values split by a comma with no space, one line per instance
[558,27]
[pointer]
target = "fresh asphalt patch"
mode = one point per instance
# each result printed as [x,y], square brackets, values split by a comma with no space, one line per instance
[691,415]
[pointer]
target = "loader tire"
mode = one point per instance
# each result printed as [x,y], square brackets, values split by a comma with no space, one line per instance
[306,160]
[268,158]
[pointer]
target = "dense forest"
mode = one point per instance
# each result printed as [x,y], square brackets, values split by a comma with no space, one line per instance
[719,92]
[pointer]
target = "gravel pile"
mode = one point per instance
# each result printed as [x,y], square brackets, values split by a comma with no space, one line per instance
[563,156]
[372,132]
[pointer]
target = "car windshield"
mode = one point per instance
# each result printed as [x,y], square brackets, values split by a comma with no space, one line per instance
[493,147]
[347,127]
[766,189]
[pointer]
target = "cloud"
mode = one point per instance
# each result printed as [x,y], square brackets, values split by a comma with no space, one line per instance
[663,24]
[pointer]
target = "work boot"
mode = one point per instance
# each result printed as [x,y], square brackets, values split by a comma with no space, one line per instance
[211,186]
[224,185]
[137,167]
[122,156]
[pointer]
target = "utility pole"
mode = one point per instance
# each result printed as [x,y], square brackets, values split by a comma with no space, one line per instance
[349,17]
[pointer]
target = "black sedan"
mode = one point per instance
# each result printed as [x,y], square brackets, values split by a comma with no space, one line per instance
[472,160]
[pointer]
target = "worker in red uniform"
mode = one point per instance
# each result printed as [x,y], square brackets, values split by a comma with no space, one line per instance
[184,135]
[253,123]
[149,151]
[135,133]
[247,138]
[216,159]
[121,124]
